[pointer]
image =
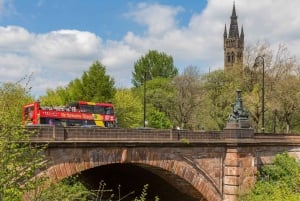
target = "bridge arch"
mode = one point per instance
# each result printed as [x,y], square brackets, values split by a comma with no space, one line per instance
[171,166]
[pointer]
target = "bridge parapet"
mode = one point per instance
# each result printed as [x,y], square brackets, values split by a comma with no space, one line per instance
[53,133]
[94,134]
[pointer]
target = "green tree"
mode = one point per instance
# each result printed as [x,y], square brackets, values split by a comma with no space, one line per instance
[285,100]
[281,78]
[160,95]
[94,85]
[19,159]
[188,96]
[154,64]
[220,92]
[279,181]
[158,119]
[128,108]
[59,96]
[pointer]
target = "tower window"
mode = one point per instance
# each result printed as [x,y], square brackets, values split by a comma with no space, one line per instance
[232,57]
[228,57]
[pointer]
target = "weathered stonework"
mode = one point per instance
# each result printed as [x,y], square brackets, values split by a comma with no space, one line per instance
[214,165]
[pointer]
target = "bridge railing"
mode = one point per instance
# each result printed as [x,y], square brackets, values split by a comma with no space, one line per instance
[96,134]
[53,133]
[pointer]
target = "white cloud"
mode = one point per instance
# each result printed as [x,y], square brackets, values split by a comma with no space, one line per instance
[15,67]
[15,39]
[66,44]
[59,56]
[53,58]
[158,18]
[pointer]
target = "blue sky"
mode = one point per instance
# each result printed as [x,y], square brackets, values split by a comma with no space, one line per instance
[107,19]
[56,40]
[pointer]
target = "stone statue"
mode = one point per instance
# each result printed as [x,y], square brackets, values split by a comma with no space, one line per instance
[239,115]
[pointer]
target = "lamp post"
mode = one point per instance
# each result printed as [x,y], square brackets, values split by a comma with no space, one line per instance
[145,98]
[263,91]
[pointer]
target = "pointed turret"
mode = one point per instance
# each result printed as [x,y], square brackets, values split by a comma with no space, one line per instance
[242,34]
[225,32]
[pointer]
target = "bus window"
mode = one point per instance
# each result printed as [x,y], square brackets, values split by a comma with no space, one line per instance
[29,112]
[87,108]
[28,115]
[109,110]
[99,109]
[74,122]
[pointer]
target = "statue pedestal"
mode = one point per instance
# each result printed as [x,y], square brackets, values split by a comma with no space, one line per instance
[238,124]
[238,129]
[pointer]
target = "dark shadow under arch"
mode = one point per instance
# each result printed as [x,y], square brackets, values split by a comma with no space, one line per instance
[133,177]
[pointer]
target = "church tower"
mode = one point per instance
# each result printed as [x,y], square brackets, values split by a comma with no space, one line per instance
[233,44]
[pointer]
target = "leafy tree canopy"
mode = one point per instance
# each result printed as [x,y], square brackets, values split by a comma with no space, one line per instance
[94,85]
[18,161]
[153,64]
[277,182]
[128,108]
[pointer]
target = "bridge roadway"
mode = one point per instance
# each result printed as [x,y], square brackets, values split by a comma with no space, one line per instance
[210,165]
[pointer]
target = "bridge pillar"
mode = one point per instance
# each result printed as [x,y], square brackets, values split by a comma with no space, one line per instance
[239,167]
[231,174]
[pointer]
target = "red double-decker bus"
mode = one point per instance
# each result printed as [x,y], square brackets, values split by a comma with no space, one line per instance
[80,113]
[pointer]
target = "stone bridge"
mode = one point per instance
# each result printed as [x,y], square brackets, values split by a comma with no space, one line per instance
[211,166]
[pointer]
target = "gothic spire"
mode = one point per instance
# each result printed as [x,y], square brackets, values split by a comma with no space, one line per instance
[242,32]
[234,29]
[225,32]
[233,11]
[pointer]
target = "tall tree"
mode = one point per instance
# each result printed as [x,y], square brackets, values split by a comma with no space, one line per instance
[280,80]
[128,108]
[94,85]
[284,96]
[188,96]
[18,161]
[220,90]
[153,64]
[59,96]
[160,94]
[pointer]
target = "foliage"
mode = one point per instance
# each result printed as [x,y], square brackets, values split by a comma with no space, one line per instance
[154,64]
[128,108]
[94,85]
[158,119]
[60,96]
[220,92]
[159,98]
[143,195]
[68,189]
[253,101]
[72,189]
[281,76]
[19,159]
[160,94]
[188,97]
[279,181]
